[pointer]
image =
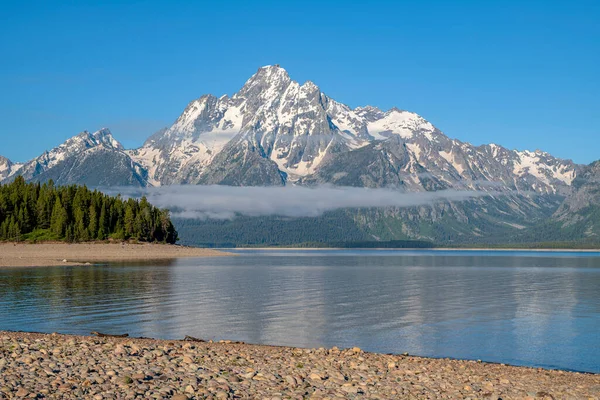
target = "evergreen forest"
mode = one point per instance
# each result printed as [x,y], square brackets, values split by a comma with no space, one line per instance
[45,212]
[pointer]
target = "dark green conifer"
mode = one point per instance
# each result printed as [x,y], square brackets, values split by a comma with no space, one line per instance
[74,213]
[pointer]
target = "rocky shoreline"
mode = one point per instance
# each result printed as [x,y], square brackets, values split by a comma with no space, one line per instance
[53,366]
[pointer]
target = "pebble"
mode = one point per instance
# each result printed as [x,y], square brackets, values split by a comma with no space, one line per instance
[71,367]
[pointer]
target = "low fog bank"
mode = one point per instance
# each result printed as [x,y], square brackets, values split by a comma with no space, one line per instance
[225,202]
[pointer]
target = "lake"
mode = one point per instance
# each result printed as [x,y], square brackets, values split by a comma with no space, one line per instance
[523,308]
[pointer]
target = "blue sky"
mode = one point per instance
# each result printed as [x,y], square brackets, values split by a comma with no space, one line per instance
[524,74]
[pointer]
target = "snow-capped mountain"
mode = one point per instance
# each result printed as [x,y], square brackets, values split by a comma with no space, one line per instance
[431,161]
[7,168]
[272,130]
[95,159]
[275,131]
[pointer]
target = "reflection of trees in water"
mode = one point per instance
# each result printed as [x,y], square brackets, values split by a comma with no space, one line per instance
[57,297]
[58,282]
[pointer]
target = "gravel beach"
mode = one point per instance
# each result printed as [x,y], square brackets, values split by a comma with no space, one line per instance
[52,254]
[73,367]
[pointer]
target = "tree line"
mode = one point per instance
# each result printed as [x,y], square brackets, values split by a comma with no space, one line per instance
[335,226]
[35,211]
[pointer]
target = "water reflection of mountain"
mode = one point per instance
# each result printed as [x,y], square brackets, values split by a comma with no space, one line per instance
[524,308]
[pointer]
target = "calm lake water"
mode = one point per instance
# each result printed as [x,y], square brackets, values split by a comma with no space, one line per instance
[524,308]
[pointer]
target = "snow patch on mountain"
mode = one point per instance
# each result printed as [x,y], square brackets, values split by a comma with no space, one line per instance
[403,123]
[532,163]
[148,158]
[415,150]
[449,157]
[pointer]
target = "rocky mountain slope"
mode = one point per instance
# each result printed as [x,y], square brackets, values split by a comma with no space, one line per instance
[579,214]
[94,159]
[586,191]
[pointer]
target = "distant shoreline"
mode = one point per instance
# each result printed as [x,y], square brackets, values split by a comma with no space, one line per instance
[473,249]
[55,254]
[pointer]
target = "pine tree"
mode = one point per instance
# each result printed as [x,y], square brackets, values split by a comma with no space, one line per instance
[43,210]
[4,230]
[102,222]
[58,221]
[93,225]
[129,221]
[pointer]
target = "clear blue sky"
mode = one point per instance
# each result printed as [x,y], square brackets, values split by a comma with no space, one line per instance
[524,74]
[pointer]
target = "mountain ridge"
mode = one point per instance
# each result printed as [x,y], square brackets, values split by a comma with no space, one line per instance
[297,128]
[275,131]
[95,159]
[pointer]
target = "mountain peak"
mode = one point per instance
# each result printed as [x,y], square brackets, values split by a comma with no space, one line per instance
[6,167]
[271,73]
[266,81]
[102,132]
[275,67]
[369,113]
[102,136]
[310,85]
[105,137]
[368,108]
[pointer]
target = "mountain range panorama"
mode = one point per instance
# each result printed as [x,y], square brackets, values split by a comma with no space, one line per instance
[275,131]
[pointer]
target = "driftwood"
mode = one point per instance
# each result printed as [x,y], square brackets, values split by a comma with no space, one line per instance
[107,335]
[192,339]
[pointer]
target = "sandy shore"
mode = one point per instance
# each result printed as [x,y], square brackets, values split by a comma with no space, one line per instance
[75,367]
[50,254]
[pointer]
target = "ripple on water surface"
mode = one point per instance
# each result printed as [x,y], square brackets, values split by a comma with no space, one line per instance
[526,308]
